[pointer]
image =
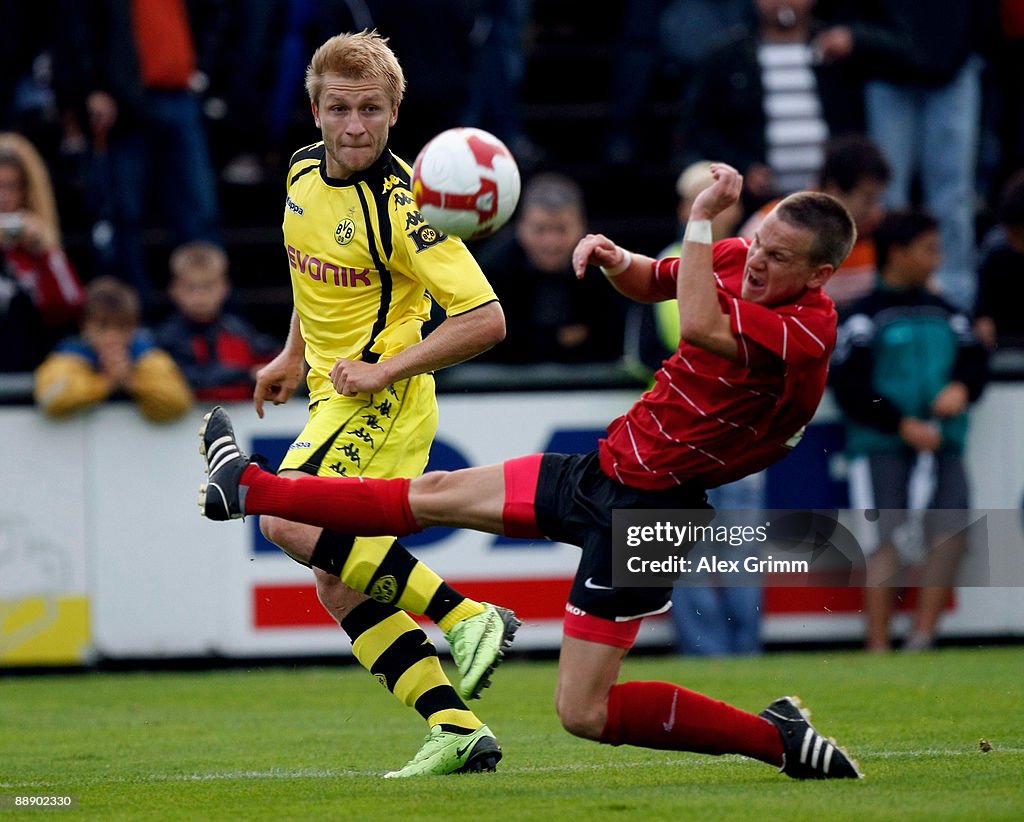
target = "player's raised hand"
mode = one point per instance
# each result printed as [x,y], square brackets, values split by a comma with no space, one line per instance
[717,197]
[595,249]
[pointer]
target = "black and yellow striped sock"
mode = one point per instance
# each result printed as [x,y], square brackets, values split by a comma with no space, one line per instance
[383,569]
[394,649]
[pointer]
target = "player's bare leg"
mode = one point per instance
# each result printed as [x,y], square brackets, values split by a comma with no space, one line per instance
[666,716]
[586,673]
[467,498]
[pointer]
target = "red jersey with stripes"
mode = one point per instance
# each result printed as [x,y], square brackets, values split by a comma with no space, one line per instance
[708,420]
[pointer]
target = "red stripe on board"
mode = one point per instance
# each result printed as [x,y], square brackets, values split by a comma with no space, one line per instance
[297,606]
[821,601]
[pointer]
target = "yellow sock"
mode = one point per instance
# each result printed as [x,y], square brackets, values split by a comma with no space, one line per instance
[466,608]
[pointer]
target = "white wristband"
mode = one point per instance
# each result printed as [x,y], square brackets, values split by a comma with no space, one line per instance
[698,231]
[624,263]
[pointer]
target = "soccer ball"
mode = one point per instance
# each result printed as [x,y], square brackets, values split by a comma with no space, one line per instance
[466,182]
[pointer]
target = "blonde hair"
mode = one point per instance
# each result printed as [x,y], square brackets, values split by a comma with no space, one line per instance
[198,255]
[362,56]
[16,151]
[694,179]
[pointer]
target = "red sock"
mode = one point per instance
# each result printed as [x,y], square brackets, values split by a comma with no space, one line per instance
[669,717]
[353,505]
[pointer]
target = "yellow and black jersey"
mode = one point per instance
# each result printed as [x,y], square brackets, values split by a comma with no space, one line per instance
[362,258]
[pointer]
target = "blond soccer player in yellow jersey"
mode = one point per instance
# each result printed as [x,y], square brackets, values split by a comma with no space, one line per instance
[362,259]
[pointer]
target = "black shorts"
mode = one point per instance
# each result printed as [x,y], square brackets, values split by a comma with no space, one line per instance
[574,504]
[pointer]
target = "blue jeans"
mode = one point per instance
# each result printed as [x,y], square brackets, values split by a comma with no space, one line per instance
[934,132]
[715,619]
[168,147]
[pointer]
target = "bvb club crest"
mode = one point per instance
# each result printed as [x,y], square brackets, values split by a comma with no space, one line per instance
[345,232]
[384,589]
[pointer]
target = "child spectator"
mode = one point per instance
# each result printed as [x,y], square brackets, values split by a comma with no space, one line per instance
[218,352]
[113,357]
[905,369]
[40,293]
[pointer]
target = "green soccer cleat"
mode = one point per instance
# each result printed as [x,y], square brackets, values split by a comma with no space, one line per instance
[444,752]
[478,644]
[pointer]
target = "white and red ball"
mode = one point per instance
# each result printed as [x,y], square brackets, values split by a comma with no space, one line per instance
[466,182]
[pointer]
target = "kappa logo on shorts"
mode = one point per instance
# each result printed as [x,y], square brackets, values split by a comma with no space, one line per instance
[384,589]
[300,444]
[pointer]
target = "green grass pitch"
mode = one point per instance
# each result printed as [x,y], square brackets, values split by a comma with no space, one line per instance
[312,743]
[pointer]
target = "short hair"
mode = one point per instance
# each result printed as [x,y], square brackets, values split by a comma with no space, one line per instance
[110,301]
[850,159]
[553,192]
[1011,202]
[362,56]
[828,221]
[198,254]
[694,179]
[900,228]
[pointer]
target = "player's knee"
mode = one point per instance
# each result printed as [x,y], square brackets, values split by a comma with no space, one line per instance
[583,720]
[271,528]
[286,535]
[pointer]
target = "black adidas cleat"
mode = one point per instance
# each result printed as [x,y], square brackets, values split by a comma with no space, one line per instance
[220,497]
[808,754]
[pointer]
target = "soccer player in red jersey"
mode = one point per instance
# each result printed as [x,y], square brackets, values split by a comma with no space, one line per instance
[756,333]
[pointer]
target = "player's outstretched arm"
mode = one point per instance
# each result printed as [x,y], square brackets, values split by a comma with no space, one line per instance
[458,338]
[631,274]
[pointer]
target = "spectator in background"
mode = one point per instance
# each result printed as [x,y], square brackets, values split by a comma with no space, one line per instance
[856,173]
[998,320]
[131,74]
[218,352]
[113,357]
[905,369]
[657,40]
[923,107]
[442,70]
[691,182]
[550,316]
[1008,66]
[496,78]
[275,37]
[763,103]
[40,293]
